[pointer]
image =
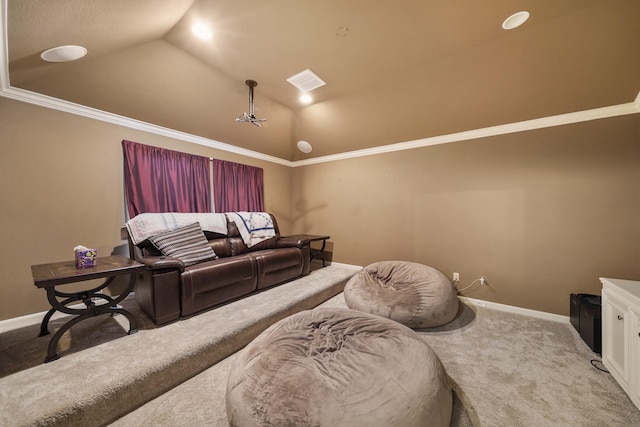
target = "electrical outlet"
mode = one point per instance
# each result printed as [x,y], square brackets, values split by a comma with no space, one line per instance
[456,277]
[483,281]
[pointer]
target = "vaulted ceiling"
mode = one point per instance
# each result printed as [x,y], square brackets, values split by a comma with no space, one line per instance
[394,71]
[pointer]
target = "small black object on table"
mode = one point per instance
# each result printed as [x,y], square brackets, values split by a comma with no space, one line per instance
[49,276]
[307,239]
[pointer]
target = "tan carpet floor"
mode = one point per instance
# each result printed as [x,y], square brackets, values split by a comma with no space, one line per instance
[104,374]
[507,370]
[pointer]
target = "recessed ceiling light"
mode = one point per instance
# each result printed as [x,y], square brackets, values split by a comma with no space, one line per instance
[304,146]
[63,53]
[306,98]
[515,20]
[201,30]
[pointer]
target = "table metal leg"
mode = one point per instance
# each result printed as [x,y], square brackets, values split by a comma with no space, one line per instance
[44,326]
[53,344]
[319,253]
[91,310]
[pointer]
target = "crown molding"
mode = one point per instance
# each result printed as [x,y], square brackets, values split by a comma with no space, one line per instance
[6,90]
[92,113]
[545,122]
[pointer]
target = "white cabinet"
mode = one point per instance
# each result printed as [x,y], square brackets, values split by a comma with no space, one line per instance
[621,333]
[634,363]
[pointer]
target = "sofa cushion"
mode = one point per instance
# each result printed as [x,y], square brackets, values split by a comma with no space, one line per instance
[278,265]
[187,243]
[214,282]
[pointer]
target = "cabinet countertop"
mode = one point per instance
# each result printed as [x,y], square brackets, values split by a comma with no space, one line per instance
[631,287]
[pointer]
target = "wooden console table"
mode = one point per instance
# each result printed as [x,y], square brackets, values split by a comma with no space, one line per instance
[50,276]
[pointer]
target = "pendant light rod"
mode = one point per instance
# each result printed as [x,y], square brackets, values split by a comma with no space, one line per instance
[251,84]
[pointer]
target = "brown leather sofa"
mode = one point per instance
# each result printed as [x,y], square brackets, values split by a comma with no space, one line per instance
[167,290]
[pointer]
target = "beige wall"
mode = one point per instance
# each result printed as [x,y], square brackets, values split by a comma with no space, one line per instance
[61,185]
[540,214]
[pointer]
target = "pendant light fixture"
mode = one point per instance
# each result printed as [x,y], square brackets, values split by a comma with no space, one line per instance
[251,118]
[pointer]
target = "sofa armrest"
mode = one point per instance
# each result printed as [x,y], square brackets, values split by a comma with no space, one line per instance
[291,242]
[300,240]
[155,262]
[161,263]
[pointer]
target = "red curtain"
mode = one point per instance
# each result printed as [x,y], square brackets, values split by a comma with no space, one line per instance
[237,187]
[159,180]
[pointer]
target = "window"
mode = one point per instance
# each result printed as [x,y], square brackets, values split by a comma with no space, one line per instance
[160,180]
[237,187]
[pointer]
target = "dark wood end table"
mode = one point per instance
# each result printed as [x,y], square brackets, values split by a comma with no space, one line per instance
[49,276]
[307,239]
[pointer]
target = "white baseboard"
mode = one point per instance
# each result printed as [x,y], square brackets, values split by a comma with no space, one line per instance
[36,318]
[348,266]
[29,320]
[489,304]
[516,310]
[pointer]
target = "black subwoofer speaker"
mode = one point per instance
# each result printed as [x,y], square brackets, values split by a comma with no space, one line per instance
[585,314]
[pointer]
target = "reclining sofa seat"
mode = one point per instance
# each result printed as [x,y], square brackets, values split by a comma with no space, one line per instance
[167,290]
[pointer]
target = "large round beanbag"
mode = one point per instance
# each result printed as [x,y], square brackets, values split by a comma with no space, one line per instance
[338,367]
[413,294]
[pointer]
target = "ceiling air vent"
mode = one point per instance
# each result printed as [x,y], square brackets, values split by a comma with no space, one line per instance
[306,81]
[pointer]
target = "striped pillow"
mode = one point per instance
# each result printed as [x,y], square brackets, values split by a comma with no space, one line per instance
[187,243]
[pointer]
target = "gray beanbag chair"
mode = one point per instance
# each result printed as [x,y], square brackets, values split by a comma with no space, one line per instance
[413,294]
[338,367]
